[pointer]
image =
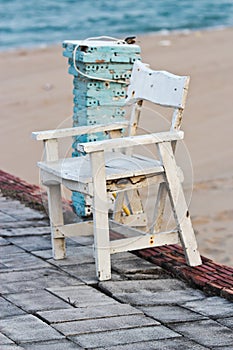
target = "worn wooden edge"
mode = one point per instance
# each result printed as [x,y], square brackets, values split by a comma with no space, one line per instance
[130,141]
[75,131]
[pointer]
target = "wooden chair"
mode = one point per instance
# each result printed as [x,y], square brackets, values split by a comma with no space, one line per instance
[110,166]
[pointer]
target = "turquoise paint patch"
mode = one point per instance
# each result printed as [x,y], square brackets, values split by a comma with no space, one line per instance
[95,101]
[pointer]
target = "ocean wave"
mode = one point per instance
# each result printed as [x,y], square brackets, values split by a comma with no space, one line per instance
[35,23]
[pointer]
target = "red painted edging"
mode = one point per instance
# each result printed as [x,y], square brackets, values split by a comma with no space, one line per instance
[14,187]
[31,195]
[212,278]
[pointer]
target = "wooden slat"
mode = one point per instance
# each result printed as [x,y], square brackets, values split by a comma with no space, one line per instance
[100,217]
[136,220]
[178,112]
[143,182]
[49,179]
[124,229]
[119,202]
[80,130]
[79,169]
[159,208]
[76,169]
[56,219]
[75,230]
[142,242]
[159,87]
[129,141]
[51,150]
[134,118]
[179,206]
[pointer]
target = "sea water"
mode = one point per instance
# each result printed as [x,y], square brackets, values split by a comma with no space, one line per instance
[32,23]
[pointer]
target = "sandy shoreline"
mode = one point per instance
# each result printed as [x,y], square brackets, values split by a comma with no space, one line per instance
[36,94]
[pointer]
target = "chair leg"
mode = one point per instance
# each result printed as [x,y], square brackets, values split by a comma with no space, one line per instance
[136,207]
[179,205]
[100,217]
[56,219]
[159,208]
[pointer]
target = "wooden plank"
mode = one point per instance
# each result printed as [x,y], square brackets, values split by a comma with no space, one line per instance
[134,118]
[84,228]
[49,179]
[178,112]
[129,141]
[134,201]
[159,208]
[144,241]
[136,220]
[80,130]
[85,188]
[159,87]
[176,119]
[124,229]
[100,216]
[118,173]
[78,169]
[51,150]
[179,206]
[142,181]
[118,205]
[56,219]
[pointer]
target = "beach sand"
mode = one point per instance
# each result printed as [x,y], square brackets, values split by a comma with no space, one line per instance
[36,94]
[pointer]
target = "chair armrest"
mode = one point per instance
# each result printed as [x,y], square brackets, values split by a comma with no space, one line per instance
[130,141]
[80,130]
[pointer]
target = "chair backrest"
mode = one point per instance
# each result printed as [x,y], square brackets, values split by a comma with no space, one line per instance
[159,87]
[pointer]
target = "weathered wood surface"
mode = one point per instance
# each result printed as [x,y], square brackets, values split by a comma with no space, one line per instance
[83,228]
[159,87]
[179,206]
[143,241]
[118,166]
[51,150]
[56,219]
[100,217]
[130,141]
[79,130]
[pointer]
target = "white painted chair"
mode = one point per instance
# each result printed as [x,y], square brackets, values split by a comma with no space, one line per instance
[110,166]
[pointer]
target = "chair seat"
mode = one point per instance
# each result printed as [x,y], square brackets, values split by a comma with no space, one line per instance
[118,166]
